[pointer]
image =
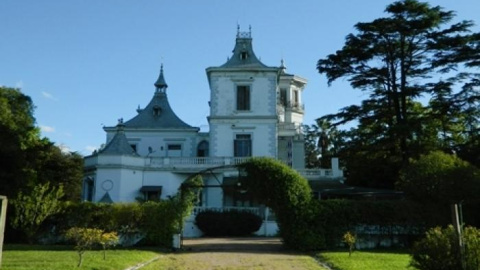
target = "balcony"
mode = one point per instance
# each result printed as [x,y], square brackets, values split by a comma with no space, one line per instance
[191,164]
[289,129]
[295,106]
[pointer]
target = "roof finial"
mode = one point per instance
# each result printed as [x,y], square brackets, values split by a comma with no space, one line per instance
[282,66]
[250,30]
[238,29]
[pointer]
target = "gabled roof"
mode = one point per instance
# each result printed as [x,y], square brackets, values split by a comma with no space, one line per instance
[119,144]
[158,113]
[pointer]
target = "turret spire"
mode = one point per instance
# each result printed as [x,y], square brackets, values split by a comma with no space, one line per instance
[160,84]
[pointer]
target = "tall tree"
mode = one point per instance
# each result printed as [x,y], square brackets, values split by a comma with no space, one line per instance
[394,57]
[413,52]
[321,142]
[26,159]
[17,134]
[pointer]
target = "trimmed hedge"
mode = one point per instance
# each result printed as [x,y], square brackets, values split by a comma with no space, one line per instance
[157,221]
[307,224]
[388,218]
[288,194]
[228,223]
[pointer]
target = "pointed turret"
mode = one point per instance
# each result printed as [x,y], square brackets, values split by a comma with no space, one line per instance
[160,84]
[158,113]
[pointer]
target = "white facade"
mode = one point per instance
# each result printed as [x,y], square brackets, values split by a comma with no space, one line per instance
[255,110]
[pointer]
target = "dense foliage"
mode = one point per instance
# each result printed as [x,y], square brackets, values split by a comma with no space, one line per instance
[440,178]
[439,250]
[228,223]
[28,161]
[156,221]
[288,195]
[417,51]
[31,210]
[307,224]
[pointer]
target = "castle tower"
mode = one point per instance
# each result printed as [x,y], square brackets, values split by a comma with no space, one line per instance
[243,110]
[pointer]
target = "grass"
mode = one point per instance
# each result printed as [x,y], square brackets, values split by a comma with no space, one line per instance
[32,257]
[367,260]
[24,257]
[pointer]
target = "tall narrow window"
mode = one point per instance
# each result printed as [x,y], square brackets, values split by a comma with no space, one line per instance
[242,146]
[295,98]
[283,96]
[243,98]
[89,189]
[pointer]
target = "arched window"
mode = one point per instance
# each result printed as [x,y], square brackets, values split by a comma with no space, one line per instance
[202,149]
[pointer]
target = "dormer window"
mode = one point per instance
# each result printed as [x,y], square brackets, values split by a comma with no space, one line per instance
[157,111]
[243,56]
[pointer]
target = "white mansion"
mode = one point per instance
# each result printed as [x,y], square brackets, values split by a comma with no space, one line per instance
[255,110]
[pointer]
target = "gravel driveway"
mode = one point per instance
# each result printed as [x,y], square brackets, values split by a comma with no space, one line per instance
[234,254]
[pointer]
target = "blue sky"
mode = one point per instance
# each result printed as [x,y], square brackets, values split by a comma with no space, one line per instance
[87,63]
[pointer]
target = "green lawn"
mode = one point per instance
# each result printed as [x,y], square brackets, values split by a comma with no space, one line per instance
[24,257]
[367,260]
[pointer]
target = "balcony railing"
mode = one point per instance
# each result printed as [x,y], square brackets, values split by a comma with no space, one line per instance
[193,161]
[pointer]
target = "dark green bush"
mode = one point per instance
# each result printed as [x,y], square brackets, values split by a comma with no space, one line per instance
[158,221]
[307,224]
[439,250]
[288,194]
[228,223]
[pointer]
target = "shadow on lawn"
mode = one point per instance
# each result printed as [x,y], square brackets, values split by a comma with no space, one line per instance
[255,245]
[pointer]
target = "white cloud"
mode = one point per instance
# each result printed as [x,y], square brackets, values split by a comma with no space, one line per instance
[47,129]
[49,96]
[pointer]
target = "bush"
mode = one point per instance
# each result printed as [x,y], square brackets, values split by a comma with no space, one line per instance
[87,238]
[158,221]
[32,209]
[439,177]
[439,250]
[228,223]
[288,194]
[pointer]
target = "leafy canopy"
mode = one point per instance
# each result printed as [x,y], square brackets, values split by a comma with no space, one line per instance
[416,51]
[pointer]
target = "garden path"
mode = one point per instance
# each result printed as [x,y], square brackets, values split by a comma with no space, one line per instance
[233,254]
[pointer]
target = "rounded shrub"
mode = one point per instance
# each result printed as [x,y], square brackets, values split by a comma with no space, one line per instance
[439,250]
